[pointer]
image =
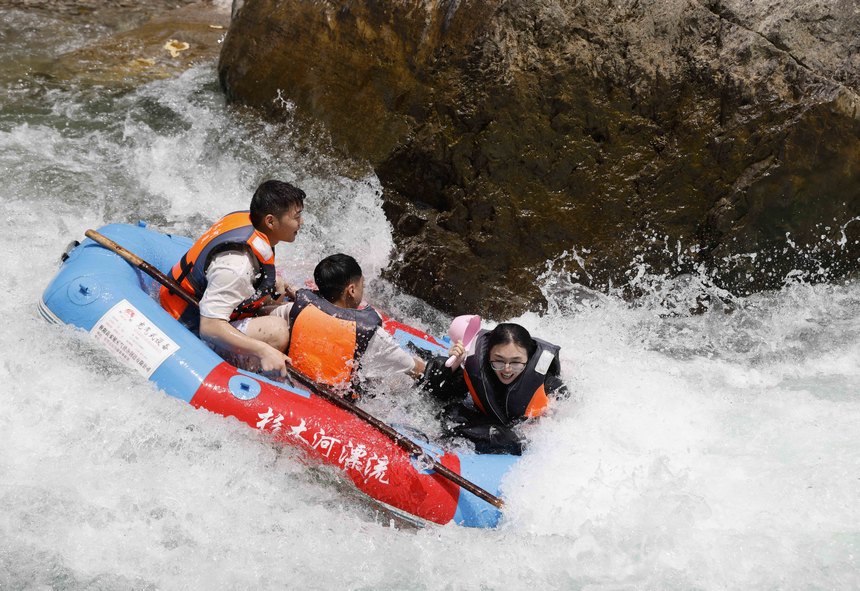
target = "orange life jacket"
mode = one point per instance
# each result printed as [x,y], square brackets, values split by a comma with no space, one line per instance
[525,397]
[327,341]
[232,232]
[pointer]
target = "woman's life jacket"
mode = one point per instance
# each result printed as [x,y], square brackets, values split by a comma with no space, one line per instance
[232,232]
[525,397]
[327,341]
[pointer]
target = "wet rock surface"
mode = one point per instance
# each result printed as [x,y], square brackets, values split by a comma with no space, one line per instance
[599,135]
[120,43]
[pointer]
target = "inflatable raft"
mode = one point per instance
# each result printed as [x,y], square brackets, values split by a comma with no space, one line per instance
[97,291]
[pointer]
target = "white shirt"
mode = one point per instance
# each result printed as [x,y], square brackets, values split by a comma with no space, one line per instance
[230,279]
[384,357]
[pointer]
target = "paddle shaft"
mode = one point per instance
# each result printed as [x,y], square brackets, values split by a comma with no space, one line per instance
[399,439]
[320,389]
[141,264]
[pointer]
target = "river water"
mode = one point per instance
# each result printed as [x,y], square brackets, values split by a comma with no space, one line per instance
[710,451]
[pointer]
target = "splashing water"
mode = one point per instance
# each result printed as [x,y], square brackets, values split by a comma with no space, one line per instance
[707,450]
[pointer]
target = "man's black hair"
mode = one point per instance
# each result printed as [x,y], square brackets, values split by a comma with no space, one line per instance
[334,273]
[276,198]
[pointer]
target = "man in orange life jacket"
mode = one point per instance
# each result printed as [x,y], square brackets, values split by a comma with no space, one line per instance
[230,269]
[331,335]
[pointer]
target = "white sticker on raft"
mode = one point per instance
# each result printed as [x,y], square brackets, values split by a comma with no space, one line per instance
[544,362]
[133,338]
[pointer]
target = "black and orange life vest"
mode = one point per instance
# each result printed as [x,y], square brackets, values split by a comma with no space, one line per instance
[232,232]
[525,397]
[327,341]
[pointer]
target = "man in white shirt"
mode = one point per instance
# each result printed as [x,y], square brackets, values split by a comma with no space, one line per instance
[230,269]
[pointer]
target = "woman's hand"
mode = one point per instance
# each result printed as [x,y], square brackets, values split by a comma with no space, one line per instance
[456,354]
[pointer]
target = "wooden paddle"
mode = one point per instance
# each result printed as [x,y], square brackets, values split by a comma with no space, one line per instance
[321,389]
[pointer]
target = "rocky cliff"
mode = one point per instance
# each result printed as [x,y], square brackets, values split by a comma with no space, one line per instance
[506,133]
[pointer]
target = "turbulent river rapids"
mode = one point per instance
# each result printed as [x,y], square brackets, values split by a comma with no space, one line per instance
[716,450]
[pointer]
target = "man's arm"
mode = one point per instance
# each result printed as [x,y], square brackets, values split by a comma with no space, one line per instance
[418,368]
[385,357]
[222,334]
[229,279]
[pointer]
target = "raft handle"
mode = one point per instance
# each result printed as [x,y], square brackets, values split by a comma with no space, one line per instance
[67,252]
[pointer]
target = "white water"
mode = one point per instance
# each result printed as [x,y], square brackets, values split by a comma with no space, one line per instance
[717,451]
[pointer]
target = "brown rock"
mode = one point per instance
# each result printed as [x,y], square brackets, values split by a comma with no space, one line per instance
[157,48]
[507,133]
